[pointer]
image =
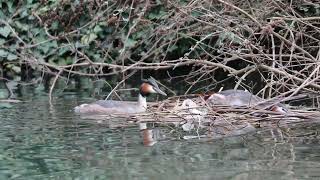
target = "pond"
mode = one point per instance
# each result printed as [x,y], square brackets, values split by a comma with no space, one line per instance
[43,141]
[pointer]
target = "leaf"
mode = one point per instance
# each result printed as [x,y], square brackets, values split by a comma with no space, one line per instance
[2,14]
[11,57]
[87,39]
[63,50]
[79,45]
[130,43]
[2,41]
[69,60]
[62,61]
[43,9]
[196,13]
[3,53]
[55,25]
[65,61]
[5,31]
[97,29]
[24,13]
[103,23]
[159,13]
[52,60]
[24,27]
[16,69]
[139,34]
[172,48]
[46,47]
[10,6]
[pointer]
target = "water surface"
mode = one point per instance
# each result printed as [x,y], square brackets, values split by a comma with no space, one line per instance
[43,141]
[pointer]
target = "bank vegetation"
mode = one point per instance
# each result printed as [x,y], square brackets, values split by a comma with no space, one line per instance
[270,46]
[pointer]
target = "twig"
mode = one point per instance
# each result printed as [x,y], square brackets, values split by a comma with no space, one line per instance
[52,86]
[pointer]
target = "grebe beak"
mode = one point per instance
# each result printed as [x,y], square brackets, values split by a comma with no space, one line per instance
[158,90]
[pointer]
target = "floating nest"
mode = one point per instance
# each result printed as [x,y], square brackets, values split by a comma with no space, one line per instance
[193,116]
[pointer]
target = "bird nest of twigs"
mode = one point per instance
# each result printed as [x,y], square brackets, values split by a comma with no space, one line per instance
[192,114]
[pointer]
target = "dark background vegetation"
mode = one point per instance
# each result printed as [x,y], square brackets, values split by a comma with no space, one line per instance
[269,46]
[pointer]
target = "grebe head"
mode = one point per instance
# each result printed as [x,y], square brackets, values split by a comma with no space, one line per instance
[150,86]
[279,109]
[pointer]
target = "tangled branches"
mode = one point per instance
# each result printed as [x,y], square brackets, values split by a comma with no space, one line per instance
[273,43]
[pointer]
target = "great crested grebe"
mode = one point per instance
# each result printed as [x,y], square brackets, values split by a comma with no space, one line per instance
[236,98]
[124,107]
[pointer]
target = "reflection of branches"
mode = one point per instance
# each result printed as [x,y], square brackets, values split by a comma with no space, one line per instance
[52,86]
[11,95]
[11,89]
[228,121]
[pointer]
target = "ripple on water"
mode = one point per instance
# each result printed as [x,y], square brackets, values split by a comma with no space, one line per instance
[39,141]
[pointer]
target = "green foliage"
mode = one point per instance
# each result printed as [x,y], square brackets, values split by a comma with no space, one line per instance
[52,31]
[5,31]
[310,9]
[228,37]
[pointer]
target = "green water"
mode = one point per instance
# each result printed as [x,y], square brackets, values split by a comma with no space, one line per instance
[43,141]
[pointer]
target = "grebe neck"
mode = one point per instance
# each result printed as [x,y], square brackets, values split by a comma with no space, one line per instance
[142,102]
